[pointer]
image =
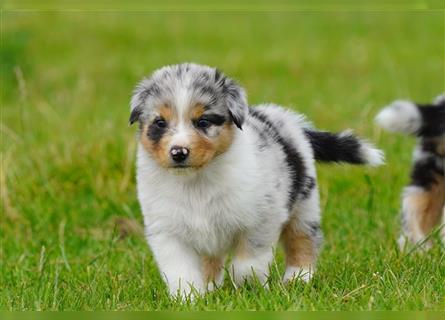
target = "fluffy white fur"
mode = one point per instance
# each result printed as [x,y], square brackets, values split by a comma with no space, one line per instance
[201,213]
[400,116]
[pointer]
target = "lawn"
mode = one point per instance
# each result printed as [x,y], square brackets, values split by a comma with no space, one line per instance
[71,227]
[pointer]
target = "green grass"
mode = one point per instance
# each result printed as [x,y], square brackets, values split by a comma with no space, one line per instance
[67,174]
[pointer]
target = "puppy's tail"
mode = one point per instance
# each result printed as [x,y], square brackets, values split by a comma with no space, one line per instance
[343,147]
[415,119]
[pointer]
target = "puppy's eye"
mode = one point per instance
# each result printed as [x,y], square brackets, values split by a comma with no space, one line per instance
[203,123]
[160,123]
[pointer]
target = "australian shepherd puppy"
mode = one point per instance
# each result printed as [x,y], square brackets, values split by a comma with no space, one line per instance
[215,176]
[423,200]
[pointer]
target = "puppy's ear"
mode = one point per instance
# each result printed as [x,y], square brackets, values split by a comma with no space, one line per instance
[140,95]
[135,114]
[236,101]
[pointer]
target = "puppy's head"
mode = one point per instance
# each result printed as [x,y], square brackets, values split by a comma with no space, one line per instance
[187,114]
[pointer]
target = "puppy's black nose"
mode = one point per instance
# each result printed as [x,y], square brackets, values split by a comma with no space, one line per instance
[179,154]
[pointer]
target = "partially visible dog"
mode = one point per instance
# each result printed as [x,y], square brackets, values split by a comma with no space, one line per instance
[423,200]
[215,176]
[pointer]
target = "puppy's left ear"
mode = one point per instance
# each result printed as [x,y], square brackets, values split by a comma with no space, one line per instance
[140,94]
[236,101]
[135,114]
[136,105]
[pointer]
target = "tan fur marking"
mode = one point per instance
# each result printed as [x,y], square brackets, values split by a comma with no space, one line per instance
[428,207]
[224,139]
[212,267]
[157,150]
[299,248]
[202,150]
[166,112]
[197,111]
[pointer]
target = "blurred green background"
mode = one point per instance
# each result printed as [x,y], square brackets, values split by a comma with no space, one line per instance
[71,226]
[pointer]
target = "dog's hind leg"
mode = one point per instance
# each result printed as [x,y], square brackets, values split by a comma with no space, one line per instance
[302,239]
[422,211]
[254,254]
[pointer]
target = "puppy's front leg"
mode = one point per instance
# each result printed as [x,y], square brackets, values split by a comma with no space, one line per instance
[179,264]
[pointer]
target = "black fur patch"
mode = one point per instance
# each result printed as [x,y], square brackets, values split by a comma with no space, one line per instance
[331,147]
[293,158]
[135,114]
[238,121]
[155,133]
[215,119]
[424,173]
[433,120]
[432,145]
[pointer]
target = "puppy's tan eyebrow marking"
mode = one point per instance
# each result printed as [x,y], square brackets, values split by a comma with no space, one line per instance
[166,112]
[197,111]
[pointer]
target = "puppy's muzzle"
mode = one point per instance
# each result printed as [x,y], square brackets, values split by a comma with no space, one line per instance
[179,154]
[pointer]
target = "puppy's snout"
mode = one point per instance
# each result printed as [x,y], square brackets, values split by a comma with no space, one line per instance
[179,154]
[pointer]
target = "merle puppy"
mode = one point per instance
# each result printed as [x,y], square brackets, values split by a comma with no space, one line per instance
[215,176]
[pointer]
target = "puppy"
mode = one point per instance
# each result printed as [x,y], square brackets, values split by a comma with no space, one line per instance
[423,200]
[215,176]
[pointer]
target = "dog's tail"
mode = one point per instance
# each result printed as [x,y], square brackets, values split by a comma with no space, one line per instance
[410,118]
[343,147]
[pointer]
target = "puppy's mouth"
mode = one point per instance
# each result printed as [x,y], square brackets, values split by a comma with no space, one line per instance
[186,165]
[180,166]
[182,169]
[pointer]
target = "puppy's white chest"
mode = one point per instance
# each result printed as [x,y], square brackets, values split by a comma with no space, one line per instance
[210,228]
[207,216]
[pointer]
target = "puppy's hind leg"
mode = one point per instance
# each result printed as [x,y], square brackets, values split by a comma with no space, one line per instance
[253,256]
[422,211]
[302,239]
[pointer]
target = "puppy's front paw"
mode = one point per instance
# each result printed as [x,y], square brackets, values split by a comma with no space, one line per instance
[186,292]
[212,285]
